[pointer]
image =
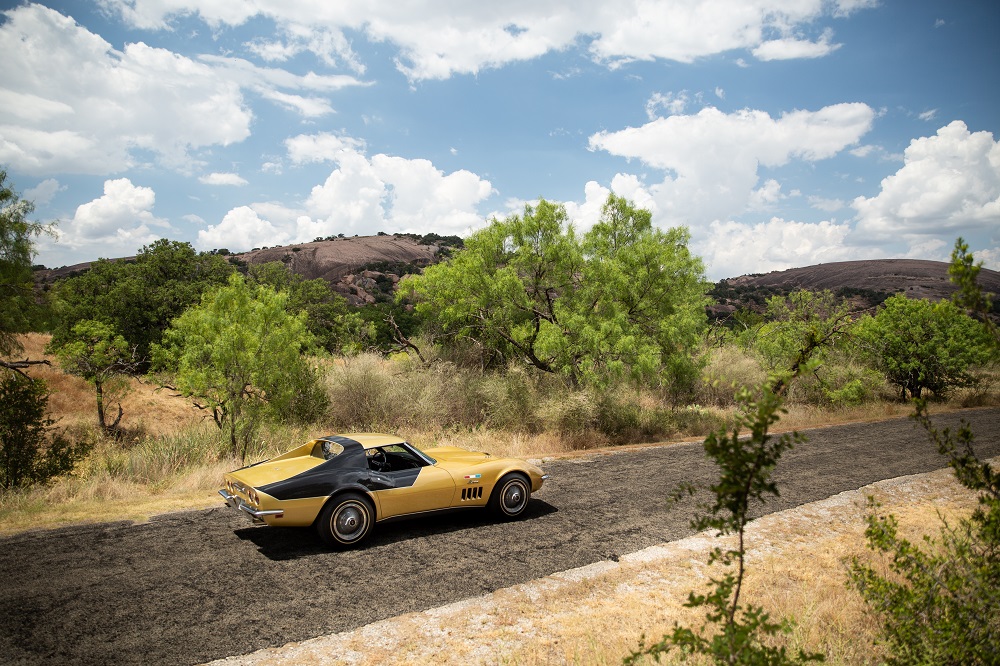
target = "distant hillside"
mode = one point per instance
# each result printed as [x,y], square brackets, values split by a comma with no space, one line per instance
[361,268]
[865,283]
[364,269]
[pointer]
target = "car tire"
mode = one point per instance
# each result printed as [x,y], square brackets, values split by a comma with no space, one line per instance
[345,520]
[510,496]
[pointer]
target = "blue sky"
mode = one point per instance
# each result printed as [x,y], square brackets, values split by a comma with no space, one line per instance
[782,133]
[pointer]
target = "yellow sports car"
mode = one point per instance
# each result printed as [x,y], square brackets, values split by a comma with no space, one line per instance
[343,484]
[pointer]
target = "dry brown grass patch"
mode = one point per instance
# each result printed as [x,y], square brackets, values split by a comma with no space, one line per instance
[72,401]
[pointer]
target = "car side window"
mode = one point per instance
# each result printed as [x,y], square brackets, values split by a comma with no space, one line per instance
[393,458]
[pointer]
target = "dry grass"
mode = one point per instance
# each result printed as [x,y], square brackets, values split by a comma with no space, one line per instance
[157,468]
[598,613]
[72,402]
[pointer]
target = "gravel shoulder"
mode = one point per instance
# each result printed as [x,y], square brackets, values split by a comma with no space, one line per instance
[202,585]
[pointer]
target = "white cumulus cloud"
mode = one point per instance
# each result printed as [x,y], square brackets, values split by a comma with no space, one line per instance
[240,230]
[112,225]
[731,249]
[85,107]
[71,102]
[322,147]
[793,48]
[438,40]
[217,178]
[361,195]
[392,194]
[711,158]
[948,182]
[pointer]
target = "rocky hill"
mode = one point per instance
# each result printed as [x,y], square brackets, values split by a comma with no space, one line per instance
[360,268]
[865,283]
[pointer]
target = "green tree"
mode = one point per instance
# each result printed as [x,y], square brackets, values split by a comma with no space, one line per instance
[103,358]
[922,345]
[336,326]
[139,298]
[776,338]
[30,452]
[17,250]
[625,300]
[941,605]
[241,353]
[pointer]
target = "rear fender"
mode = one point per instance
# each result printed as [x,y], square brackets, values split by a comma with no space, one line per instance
[357,489]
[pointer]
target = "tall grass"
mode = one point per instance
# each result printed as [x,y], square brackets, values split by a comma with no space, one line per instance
[170,454]
[371,393]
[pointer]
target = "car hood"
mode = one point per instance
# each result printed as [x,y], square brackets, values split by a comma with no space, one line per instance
[273,471]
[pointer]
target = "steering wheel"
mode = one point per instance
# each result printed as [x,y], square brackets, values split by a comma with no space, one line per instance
[379,462]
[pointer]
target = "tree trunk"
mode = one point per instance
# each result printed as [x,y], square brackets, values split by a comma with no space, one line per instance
[98,384]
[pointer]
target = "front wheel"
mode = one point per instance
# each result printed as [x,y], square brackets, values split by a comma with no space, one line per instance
[510,496]
[345,520]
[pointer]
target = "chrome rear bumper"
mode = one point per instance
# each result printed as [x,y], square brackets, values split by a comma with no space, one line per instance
[257,515]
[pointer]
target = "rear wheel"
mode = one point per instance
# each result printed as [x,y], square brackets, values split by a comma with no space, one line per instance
[345,520]
[510,496]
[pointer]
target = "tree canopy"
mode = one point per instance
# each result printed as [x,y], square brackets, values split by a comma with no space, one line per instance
[17,250]
[240,352]
[30,452]
[921,345]
[336,326]
[99,355]
[626,299]
[139,298]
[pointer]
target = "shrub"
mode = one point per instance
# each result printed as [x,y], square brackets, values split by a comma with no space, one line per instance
[29,451]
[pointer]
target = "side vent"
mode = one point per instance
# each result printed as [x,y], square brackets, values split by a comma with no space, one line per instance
[476,492]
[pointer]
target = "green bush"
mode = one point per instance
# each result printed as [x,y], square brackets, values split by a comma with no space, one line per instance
[30,452]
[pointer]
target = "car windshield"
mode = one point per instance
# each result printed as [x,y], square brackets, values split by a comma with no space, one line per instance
[427,458]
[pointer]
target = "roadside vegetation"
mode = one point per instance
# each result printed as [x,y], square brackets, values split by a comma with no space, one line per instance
[137,383]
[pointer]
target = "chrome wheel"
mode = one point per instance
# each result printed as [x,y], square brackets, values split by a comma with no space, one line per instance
[510,496]
[350,521]
[345,520]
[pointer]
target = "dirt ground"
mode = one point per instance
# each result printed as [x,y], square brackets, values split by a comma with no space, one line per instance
[191,587]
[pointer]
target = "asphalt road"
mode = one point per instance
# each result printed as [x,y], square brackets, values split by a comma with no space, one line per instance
[195,586]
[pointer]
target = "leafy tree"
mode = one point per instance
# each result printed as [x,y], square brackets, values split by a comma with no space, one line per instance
[733,631]
[103,358]
[964,271]
[776,339]
[337,327]
[17,249]
[626,299]
[29,451]
[942,603]
[139,298]
[641,308]
[240,352]
[922,345]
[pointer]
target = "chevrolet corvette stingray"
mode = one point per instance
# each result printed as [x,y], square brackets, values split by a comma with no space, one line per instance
[344,484]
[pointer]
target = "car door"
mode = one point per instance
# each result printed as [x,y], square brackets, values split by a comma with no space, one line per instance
[421,489]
